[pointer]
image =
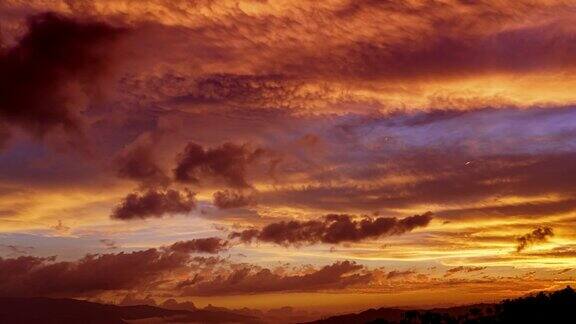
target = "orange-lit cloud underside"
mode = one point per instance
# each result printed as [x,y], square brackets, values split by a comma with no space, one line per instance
[249,153]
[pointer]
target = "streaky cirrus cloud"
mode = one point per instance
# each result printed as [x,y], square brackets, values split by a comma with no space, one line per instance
[395,274]
[442,181]
[109,244]
[332,229]
[154,203]
[227,199]
[210,245]
[465,269]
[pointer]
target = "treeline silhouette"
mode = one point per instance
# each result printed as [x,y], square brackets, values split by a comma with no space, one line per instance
[542,308]
[554,307]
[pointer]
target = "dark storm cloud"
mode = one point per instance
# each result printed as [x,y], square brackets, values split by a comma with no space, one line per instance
[211,245]
[249,279]
[154,203]
[37,74]
[228,162]
[539,235]
[228,199]
[333,229]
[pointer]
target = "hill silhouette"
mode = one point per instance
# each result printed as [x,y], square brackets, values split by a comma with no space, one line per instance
[72,311]
[543,307]
[558,307]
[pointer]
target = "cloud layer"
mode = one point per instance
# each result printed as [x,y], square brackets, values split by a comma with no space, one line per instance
[322,126]
[33,276]
[154,203]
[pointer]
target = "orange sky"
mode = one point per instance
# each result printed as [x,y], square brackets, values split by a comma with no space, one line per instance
[315,154]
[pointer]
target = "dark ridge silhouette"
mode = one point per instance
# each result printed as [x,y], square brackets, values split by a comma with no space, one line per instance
[543,307]
[558,307]
[391,315]
[70,311]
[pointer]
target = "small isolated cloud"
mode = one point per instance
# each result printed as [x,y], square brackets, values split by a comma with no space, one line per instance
[138,164]
[60,228]
[539,235]
[228,163]
[466,269]
[228,199]
[395,274]
[154,203]
[333,229]
[109,244]
[211,245]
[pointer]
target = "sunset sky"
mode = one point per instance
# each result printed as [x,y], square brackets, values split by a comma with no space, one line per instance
[326,155]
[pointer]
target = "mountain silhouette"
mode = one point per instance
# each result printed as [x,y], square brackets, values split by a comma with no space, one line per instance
[41,310]
[543,307]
